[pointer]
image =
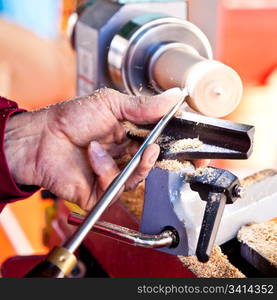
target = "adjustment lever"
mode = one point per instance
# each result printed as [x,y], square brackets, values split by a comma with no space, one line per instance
[218,187]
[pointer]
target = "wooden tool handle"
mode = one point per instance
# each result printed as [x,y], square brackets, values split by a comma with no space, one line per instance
[45,269]
[58,263]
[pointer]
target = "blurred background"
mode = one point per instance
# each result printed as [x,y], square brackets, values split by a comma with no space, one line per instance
[37,64]
[37,68]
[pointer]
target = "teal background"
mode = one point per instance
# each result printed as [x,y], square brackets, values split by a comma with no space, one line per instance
[40,16]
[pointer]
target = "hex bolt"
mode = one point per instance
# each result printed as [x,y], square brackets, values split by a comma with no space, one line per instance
[238,191]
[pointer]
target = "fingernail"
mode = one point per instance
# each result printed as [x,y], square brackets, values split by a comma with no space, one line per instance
[154,157]
[97,149]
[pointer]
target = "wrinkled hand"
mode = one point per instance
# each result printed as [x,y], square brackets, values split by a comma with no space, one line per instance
[69,148]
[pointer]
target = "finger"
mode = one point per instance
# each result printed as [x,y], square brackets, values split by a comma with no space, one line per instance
[103,165]
[133,148]
[201,163]
[92,200]
[116,150]
[148,160]
[147,109]
[119,133]
[141,109]
[127,147]
[115,135]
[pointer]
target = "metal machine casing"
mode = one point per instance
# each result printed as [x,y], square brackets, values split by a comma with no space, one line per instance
[147,47]
[97,26]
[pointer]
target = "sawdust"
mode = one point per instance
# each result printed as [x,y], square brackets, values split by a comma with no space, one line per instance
[134,200]
[184,144]
[172,165]
[217,267]
[258,177]
[201,171]
[166,142]
[262,237]
[209,172]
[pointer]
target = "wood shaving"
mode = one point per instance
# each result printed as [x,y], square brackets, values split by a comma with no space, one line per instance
[262,237]
[172,165]
[258,177]
[217,267]
[135,130]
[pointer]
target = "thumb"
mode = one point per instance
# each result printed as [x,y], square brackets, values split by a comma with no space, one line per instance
[102,164]
[148,109]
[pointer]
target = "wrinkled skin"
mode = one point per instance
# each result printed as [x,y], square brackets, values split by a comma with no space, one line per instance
[70,148]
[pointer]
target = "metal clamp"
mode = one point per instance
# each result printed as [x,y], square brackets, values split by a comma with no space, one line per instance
[218,187]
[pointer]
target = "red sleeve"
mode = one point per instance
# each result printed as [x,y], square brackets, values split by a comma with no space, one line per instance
[9,190]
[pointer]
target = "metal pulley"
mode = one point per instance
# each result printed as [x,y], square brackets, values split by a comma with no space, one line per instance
[154,52]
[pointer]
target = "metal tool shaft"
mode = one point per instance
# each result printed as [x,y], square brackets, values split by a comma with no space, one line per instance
[117,184]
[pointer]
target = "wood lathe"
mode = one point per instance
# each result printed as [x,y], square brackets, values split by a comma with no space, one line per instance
[142,48]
